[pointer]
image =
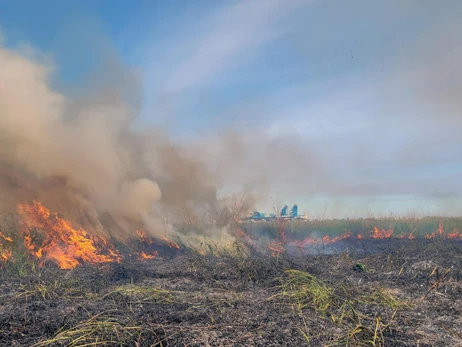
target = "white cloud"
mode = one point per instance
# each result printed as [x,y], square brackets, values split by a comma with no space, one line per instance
[238,29]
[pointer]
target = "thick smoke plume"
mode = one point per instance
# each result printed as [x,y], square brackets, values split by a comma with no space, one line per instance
[83,157]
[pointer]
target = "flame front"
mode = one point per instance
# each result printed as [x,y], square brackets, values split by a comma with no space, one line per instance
[376,233]
[5,254]
[49,237]
[381,233]
[170,243]
[46,236]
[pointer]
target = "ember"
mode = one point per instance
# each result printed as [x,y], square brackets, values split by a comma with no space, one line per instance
[144,256]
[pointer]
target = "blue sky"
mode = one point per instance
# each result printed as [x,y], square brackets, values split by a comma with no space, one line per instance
[366,94]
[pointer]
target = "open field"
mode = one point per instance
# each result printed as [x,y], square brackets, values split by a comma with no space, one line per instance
[405,294]
[140,139]
[299,229]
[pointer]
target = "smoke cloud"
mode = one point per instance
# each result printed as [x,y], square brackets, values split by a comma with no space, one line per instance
[84,157]
[84,154]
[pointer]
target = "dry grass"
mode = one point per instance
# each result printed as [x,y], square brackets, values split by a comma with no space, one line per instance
[102,330]
[341,307]
[235,296]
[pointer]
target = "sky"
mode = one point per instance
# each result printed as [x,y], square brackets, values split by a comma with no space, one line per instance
[346,108]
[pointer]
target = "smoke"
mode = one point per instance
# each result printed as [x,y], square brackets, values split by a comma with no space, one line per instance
[82,153]
[83,156]
[388,132]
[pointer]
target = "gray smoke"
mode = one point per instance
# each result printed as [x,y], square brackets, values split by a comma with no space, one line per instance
[83,157]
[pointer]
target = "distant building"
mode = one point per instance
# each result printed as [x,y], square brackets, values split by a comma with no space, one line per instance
[260,216]
[257,215]
[294,212]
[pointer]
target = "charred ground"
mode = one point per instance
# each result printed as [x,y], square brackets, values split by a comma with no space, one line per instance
[387,297]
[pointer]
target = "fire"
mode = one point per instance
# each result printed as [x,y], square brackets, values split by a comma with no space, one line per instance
[438,233]
[5,254]
[147,243]
[376,233]
[145,256]
[46,236]
[405,236]
[381,233]
[170,243]
[143,237]
[49,237]
[242,235]
[278,246]
[6,238]
[455,234]
[328,239]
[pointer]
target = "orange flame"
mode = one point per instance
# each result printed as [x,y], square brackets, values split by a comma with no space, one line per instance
[145,256]
[49,237]
[440,229]
[279,245]
[171,243]
[405,236]
[375,234]
[148,242]
[5,254]
[143,237]
[327,239]
[276,247]
[6,238]
[439,232]
[381,233]
[455,234]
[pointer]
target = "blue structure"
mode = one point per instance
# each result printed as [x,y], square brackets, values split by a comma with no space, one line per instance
[260,216]
[257,215]
[294,211]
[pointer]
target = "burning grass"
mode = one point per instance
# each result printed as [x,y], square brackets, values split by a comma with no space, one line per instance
[408,227]
[58,289]
[49,237]
[46,237]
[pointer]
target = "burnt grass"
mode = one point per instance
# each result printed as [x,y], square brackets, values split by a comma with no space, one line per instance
[381,293]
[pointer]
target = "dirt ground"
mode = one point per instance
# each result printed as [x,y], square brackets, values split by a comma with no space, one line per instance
[403,293]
